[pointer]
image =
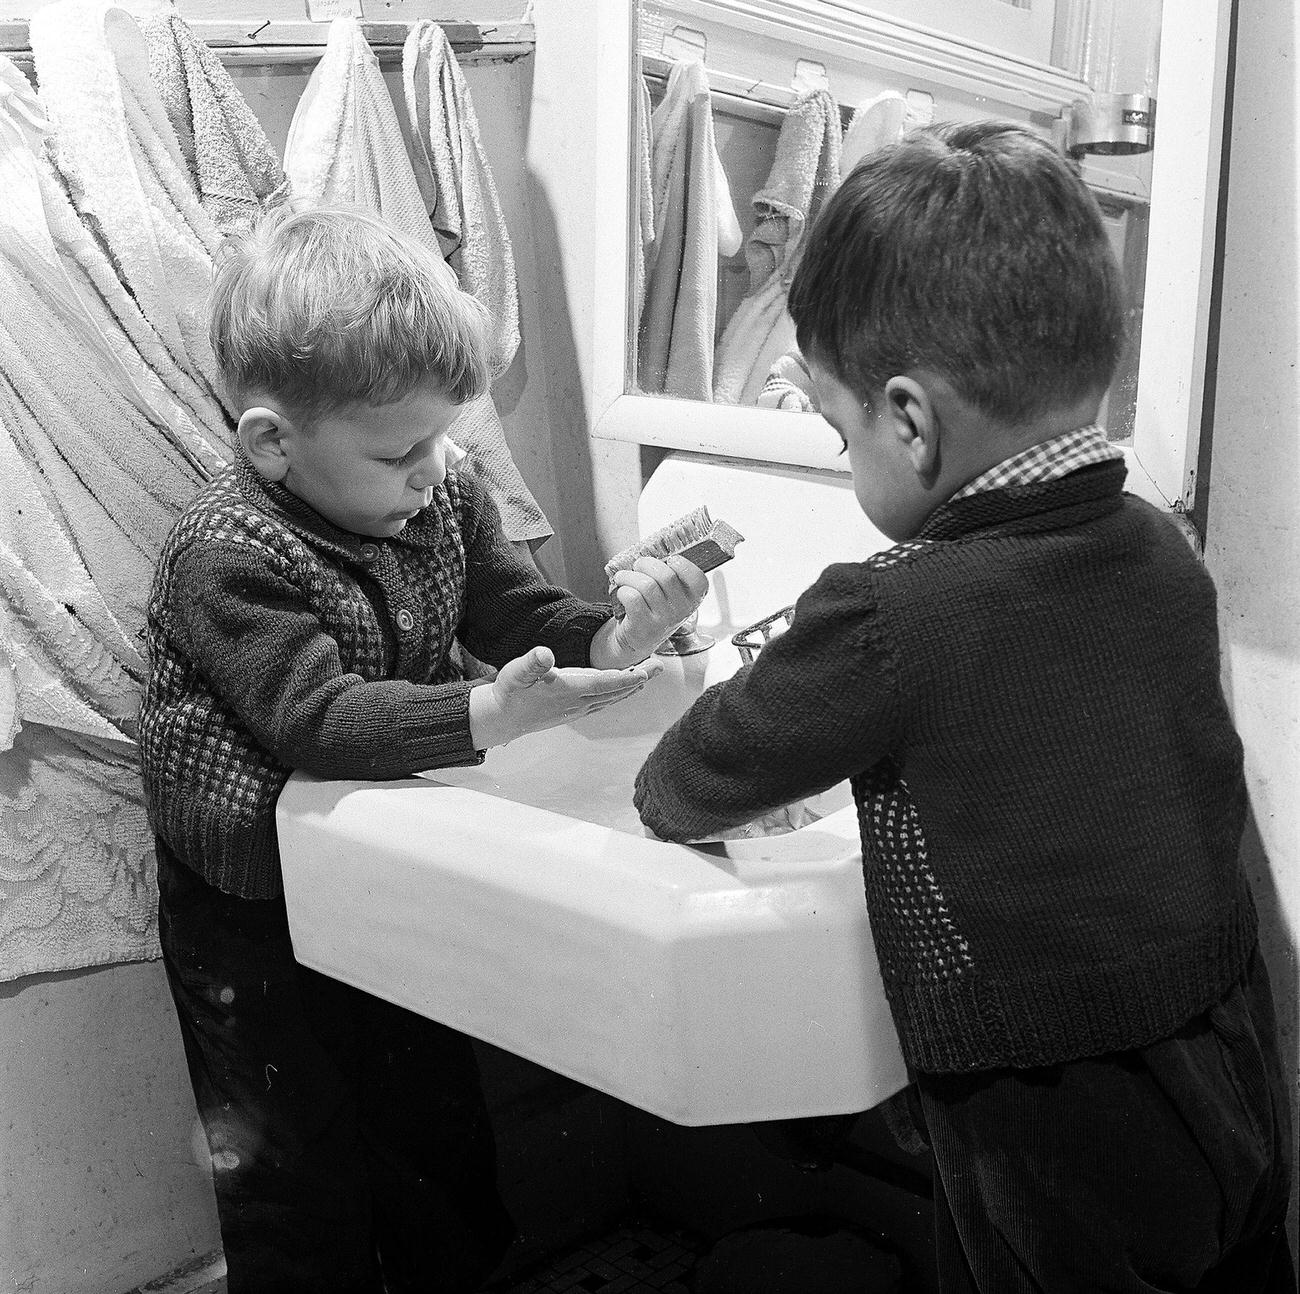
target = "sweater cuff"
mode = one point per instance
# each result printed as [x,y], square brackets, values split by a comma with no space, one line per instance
[435,730]
[572,643]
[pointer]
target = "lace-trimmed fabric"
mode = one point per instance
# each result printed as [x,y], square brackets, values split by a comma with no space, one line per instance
[96,460]
[77,887]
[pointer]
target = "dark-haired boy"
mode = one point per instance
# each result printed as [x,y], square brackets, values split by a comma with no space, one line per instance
[1025,694]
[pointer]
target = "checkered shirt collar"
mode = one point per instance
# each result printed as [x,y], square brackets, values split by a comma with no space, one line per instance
[1047,461]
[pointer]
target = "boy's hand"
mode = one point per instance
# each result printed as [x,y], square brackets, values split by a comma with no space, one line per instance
[530,694]
[656,597]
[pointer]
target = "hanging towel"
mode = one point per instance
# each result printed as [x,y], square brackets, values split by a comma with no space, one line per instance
[123,167]
[789,385]
[876,123]
[645,199]
[804,173]
[41,230]
[74,889]
[93,470]
[694,220]
[454,177]
[345,143]
[345,146]
[231,162]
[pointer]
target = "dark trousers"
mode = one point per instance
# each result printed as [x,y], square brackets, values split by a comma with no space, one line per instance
[1160,1169]
[351,1148]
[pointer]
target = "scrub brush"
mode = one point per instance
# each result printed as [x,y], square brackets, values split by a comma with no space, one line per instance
[696,536]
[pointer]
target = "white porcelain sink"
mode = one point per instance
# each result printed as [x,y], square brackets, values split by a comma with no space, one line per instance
[520,902]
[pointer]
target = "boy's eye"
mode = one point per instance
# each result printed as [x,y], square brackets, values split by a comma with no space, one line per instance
[393,462]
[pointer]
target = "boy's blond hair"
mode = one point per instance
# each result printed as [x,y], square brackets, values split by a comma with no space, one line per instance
[329,307]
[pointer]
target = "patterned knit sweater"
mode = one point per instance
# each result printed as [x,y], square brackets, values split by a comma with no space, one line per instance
[1027,702]
[278,642]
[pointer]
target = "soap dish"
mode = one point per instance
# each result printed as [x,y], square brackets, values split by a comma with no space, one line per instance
[751,640]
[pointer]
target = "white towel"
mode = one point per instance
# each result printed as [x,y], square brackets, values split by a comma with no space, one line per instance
[231,161]
[460,195]
[876,123]
[645,199]
[345,146]
[804,173]
[345,143]
[694,220]
[123,166]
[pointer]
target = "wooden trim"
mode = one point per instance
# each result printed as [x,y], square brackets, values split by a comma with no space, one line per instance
[286,41]
[854,38]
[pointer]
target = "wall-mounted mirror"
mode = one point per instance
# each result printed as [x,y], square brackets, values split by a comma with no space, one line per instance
[742,117]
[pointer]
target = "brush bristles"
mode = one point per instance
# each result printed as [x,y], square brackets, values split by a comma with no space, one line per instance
[665,541]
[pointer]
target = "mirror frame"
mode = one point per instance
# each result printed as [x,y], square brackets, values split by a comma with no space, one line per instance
[1177,309]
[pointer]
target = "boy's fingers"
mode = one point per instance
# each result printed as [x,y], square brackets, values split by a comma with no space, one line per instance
[528,669]
[695,580]
[622,689]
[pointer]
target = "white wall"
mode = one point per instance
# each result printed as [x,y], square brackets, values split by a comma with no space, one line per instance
[1253,527]
[102,1187]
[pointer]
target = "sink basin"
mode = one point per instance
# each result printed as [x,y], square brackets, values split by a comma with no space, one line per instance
[521,902]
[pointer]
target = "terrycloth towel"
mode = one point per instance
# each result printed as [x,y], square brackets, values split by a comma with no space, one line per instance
[93,470]
[693,221]
[804,173]
[454,177]
[876,123]
[645,200]
[119,156]
[789,385]
[345,142]
[345,146]
[230,159]
[45,233]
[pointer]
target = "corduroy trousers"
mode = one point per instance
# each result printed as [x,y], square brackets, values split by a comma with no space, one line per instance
[349,1140]
[1165,1168]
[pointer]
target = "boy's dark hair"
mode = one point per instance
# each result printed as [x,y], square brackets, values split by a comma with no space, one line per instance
[971,250]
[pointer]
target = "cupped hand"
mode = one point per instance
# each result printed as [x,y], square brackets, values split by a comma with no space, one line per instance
[529,694]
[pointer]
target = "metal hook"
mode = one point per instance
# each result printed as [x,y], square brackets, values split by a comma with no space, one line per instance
[252,35]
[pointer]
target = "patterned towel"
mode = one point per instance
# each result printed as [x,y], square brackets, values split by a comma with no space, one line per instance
[454,177]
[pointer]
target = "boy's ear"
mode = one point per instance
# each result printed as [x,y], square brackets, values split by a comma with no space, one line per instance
[263,432]
[915,421]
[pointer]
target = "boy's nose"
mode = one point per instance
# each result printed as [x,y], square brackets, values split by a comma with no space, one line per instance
[431,472]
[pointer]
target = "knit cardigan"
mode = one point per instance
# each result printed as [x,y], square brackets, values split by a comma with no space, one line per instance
[1026,700]
[278,642]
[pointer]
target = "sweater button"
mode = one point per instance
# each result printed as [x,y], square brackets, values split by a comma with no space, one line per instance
[369,552]
[405,621]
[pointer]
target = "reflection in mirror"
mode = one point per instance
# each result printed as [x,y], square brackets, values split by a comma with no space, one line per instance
[742,134]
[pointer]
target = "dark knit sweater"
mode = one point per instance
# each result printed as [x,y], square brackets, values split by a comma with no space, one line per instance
[278,642]
[1027,701]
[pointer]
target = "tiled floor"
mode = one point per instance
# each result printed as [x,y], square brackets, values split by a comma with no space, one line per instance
[635,1259]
